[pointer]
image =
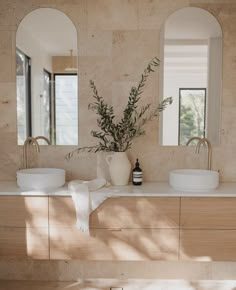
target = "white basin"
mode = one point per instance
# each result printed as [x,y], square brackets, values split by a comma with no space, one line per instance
[194,180]
[40,178]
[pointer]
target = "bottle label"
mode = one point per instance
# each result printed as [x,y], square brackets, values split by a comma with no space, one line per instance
[137,176]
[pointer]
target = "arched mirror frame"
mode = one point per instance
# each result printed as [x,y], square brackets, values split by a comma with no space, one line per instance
[216,107]
[69,59]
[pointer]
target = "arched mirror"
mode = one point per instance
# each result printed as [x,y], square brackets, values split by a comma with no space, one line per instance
[191,48]
[46,77]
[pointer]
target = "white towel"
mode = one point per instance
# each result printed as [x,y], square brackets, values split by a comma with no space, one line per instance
[84,203]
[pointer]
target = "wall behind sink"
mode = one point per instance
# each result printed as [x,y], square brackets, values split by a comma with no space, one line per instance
[116,39]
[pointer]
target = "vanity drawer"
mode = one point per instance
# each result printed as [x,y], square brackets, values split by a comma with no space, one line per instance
[61,211]
[208,213]
[24,242]
[208,245]
[137,212]
[22,211]
[124,244]
[120,212]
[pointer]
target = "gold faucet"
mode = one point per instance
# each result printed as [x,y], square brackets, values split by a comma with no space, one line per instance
[29,141]
[207,142]
[43,138]
[192,139]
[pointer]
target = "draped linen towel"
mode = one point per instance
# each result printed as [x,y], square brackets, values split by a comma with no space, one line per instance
[84,202]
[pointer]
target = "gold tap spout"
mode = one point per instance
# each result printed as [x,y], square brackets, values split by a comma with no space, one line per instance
[43,138]
[192,139]
[209,147]
[29,141]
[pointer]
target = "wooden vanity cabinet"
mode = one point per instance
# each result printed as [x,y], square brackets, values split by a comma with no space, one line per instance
[137,212]
[24,226]
[208,213]
[121,228]
[119,212]
[208,228]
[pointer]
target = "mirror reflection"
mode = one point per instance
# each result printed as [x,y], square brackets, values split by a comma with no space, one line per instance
[46,77]
[191,47]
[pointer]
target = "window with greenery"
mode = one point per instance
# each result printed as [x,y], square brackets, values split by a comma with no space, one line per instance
[46,105]
[192,113]
[23,84]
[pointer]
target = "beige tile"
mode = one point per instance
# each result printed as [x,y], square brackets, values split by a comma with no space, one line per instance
[8,104]
[149,12]
[162,270]
[6,60]
[99,14]
[125,43]
[124,14]
[76,10]
[9,156]
[224,270]
[134,26]
[94,42]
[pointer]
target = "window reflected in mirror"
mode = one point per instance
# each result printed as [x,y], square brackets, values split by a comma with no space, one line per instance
[191,48]
[23,82]
[66,116]
[192,114]
[46,77]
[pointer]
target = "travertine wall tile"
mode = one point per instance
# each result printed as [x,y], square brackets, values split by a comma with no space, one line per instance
[125,43]
[8,104]
[124,14]
[116,40]
[152,14]
[76,10]
[99,14]
[94,42]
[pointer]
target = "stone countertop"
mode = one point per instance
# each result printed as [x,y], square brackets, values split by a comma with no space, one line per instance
[147,189]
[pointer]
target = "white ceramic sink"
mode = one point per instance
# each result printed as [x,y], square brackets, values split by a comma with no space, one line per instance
[194,180]
[40,178]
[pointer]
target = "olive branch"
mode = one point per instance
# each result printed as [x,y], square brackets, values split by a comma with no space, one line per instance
[118,136]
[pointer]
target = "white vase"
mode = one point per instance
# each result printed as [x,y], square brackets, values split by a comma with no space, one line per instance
[119,168]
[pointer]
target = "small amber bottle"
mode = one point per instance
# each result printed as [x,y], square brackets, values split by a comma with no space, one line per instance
[137,174]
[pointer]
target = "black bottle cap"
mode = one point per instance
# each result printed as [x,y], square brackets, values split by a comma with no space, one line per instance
[137,163]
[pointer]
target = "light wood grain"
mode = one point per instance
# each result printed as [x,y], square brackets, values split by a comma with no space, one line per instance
[22,211]
[137,212]
[61,212]
[208,213]
[117,213]
[208,245]
[24,242]
[125,244]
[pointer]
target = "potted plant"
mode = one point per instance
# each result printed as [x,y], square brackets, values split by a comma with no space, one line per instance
[117,136]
